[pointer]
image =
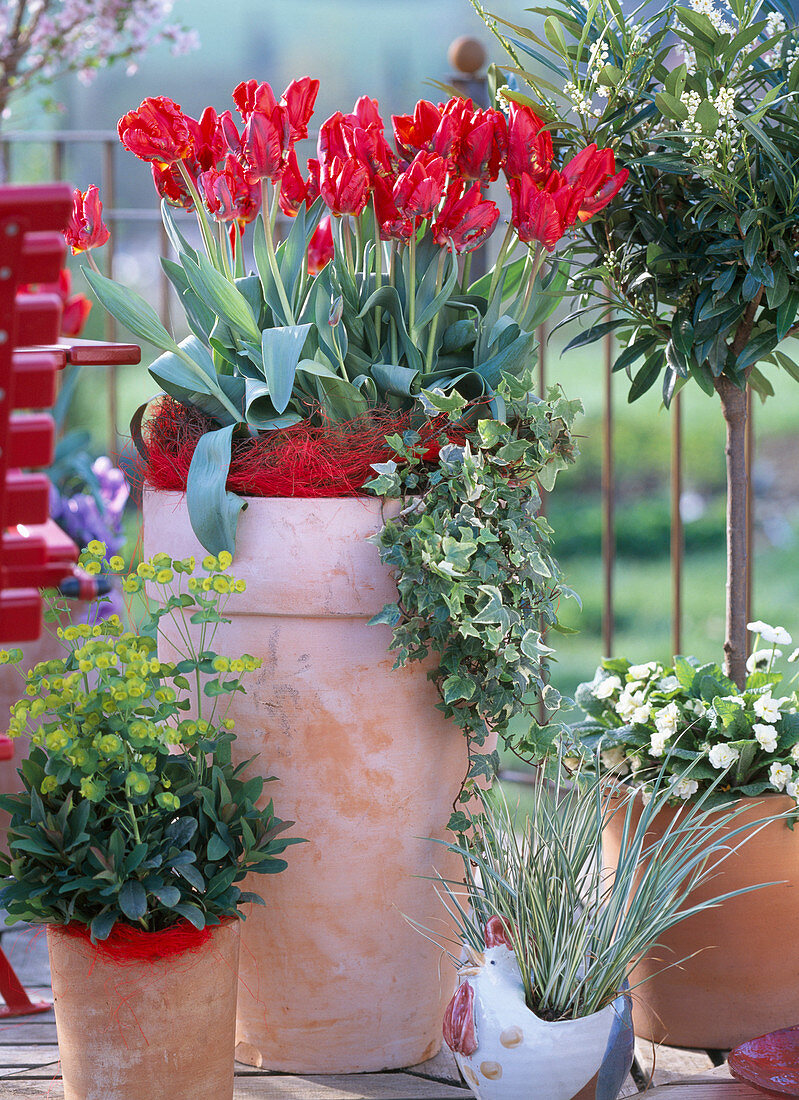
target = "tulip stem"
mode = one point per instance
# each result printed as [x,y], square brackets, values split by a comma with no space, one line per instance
[537,262]
[199,209]
[500,264]
[378,273]
[431,339]
[220,230]
[275,204]
[392,279]
[412,285]
[272,256]
[467,270]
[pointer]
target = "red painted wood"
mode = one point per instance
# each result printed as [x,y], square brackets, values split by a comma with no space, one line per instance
[38,319]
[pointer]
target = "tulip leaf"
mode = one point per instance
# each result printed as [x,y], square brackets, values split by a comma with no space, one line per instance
[221,295]
[130,309]
[213,511]
[511,360]
[340,399]
[192,380]
[401,381]
[265,273]
[313,366]
[426,306]
[282,349]
[176,238]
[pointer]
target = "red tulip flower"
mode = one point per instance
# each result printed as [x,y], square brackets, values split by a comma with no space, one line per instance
[481,145]
[320,248]
[75,308]
[294,190]
[394,225]
[529,146]
[157,131]
[170,185]
[333,139]
[209,145]
[595,171]
[543,215]
[345,185]
[299,99]
[250,96]
[86,228]
[419,188]
[229,193]
[229,131]
[466,219]
[429,129]
[265,144]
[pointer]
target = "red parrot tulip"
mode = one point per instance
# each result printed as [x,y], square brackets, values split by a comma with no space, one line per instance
[86,228]
[466,218]
[250,96]
[481,145]
[170,185]
[208,141]
[418,190]
[294,190]
[428,129]
[157,131]
[595,171]
[320,248]
[345,185]
[529,146]
[459,1034]
[393,224]
[299,99]
[265,144]
[75,307]
[543,215]
[229,194]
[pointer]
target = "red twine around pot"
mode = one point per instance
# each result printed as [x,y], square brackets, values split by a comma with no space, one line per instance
[127,944]
[326,459]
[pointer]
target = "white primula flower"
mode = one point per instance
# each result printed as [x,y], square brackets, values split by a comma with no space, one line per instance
[646,795]
[641,715]
[700,708]
[615,760]
[722,756]
[669,683]
[766,736]
[779,775]
[773,635]
[684,788]
[657,745]
[628,703]
[641,672]
[667,719]
[767,708]
[605,688]
[761,659]
[795,753]
[794,656]
[792,790]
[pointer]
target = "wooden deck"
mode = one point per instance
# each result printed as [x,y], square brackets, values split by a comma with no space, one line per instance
[29,1065]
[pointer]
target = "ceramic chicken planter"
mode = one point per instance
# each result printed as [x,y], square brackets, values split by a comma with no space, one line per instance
[505,1052]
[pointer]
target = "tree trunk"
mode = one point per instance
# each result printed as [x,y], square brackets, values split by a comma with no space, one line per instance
[733,407]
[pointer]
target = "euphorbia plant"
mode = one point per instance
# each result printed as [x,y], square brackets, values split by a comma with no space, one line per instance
[699,265]
[133,810]
[393,314]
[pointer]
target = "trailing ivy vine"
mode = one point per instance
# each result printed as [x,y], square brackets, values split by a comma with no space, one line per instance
[472,558]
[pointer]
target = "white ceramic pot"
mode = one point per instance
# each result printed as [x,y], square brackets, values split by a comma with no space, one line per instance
[506,1052]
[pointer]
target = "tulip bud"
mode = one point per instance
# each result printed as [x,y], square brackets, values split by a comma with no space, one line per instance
[86,228]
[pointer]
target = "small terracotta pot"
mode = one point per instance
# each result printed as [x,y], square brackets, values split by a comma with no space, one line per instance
[160,1029]
[334,977]
[745,979]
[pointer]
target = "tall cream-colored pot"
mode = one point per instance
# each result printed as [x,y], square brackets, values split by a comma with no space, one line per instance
[334,977]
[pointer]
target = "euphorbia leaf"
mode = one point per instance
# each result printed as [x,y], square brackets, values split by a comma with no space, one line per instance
[213,511]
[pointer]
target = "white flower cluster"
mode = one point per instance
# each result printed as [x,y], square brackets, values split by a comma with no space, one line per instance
[718,148]
[719,16]
[578,100]
[598,58]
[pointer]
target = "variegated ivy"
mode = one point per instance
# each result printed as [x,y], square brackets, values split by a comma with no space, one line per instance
[472,559]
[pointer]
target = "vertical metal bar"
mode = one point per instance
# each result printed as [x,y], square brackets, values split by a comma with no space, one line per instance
[109,200]
[58,160]
[608,501]
[677,534]
[5,162]
[750,506]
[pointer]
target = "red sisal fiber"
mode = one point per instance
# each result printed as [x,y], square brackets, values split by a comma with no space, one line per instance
[127,944]
[325,459]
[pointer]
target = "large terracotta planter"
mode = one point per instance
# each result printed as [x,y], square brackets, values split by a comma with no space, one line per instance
[745,979]
[161,1029]
[334,978]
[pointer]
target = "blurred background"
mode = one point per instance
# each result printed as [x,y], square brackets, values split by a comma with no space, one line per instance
[391,50]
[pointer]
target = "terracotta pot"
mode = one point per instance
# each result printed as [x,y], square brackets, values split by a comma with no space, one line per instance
[334,978]
[745,979]
[519,1056]
[163,1029]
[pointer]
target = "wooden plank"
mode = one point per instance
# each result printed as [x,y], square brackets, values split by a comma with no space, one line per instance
[442,1067]
[26,1055]
[367,1086]
[662,1064]
[697,1090]
[35,1029]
